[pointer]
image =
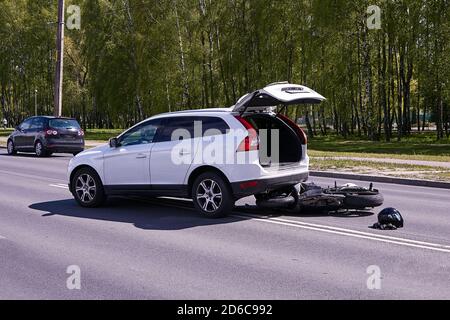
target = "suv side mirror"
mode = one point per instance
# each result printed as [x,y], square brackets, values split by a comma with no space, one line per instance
[113,143]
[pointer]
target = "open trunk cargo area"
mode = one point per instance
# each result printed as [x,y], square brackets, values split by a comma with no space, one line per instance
[276,137]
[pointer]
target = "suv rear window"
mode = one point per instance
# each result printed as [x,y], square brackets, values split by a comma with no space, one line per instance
[63,123]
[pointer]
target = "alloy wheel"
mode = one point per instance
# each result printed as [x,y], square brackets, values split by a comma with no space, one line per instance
[85,188]
[209,195]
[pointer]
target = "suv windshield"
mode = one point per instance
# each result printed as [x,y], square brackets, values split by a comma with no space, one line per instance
[64,123]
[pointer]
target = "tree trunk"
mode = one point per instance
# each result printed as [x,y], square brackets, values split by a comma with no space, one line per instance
[398,71]
[308,124]
[367,70]
[185,100]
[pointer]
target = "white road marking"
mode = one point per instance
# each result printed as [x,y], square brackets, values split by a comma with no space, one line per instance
[60,185]
[30,176]
[177,199]
[331,229]
[1,238]
[350,233]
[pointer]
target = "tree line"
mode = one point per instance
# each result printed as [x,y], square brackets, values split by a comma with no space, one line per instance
[135,58]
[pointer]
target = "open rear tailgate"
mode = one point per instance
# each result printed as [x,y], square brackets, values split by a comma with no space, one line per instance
[277,94]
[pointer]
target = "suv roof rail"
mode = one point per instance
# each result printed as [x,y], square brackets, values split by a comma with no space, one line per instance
[276,83]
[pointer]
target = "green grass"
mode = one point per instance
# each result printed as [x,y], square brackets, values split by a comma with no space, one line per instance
[382,169]
[419,157]
[102,134]
[417,146]
[5,133]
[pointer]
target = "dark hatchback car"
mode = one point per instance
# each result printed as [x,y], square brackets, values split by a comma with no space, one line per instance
[45,135]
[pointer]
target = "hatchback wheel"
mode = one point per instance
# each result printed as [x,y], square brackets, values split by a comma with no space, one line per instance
[212,196]
[39,149]
[87,188]
[10,148]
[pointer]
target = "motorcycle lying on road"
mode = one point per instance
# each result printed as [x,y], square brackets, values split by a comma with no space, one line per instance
[310,197]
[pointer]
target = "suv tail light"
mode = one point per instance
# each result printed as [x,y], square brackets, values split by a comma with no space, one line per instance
[81,133]
[250,142]
[301,134]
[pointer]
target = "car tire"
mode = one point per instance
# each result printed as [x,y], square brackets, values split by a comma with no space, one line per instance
[278,202]
[286,198]
[87,188]
[39,149]
[212,195]
[11,149]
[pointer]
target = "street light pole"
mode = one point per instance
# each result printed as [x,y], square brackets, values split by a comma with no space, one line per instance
[35,102]
[59,60]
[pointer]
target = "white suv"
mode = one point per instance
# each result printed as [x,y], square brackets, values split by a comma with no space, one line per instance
[214,156]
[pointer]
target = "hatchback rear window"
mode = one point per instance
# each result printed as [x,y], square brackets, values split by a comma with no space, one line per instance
[64,123]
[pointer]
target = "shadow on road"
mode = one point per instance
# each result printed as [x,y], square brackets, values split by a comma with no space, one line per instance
[154,215]
[305,213]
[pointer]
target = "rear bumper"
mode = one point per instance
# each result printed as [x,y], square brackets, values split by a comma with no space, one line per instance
[248,188]
[65,147]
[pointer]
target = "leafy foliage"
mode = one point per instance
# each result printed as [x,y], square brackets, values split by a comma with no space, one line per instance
[135,58]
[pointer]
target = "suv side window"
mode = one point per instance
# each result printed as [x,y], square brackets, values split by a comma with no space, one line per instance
[142,134]
[213,126]
[37,124]
[210,126]
[172,124]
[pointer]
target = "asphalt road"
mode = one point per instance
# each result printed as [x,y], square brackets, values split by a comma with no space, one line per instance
[138,248]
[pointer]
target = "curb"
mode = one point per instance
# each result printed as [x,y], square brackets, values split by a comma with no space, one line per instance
[381,179]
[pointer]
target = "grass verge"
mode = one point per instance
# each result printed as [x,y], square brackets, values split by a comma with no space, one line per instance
[421,146]
[382,169]
[337,154]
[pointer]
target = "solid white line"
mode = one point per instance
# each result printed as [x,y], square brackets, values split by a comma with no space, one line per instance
[328,229]
[355,232]
[339,231]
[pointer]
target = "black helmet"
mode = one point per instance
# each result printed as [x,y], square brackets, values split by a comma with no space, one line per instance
[390,216]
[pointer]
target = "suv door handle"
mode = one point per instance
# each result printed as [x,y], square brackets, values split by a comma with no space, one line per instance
[184,153]
[141,156]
